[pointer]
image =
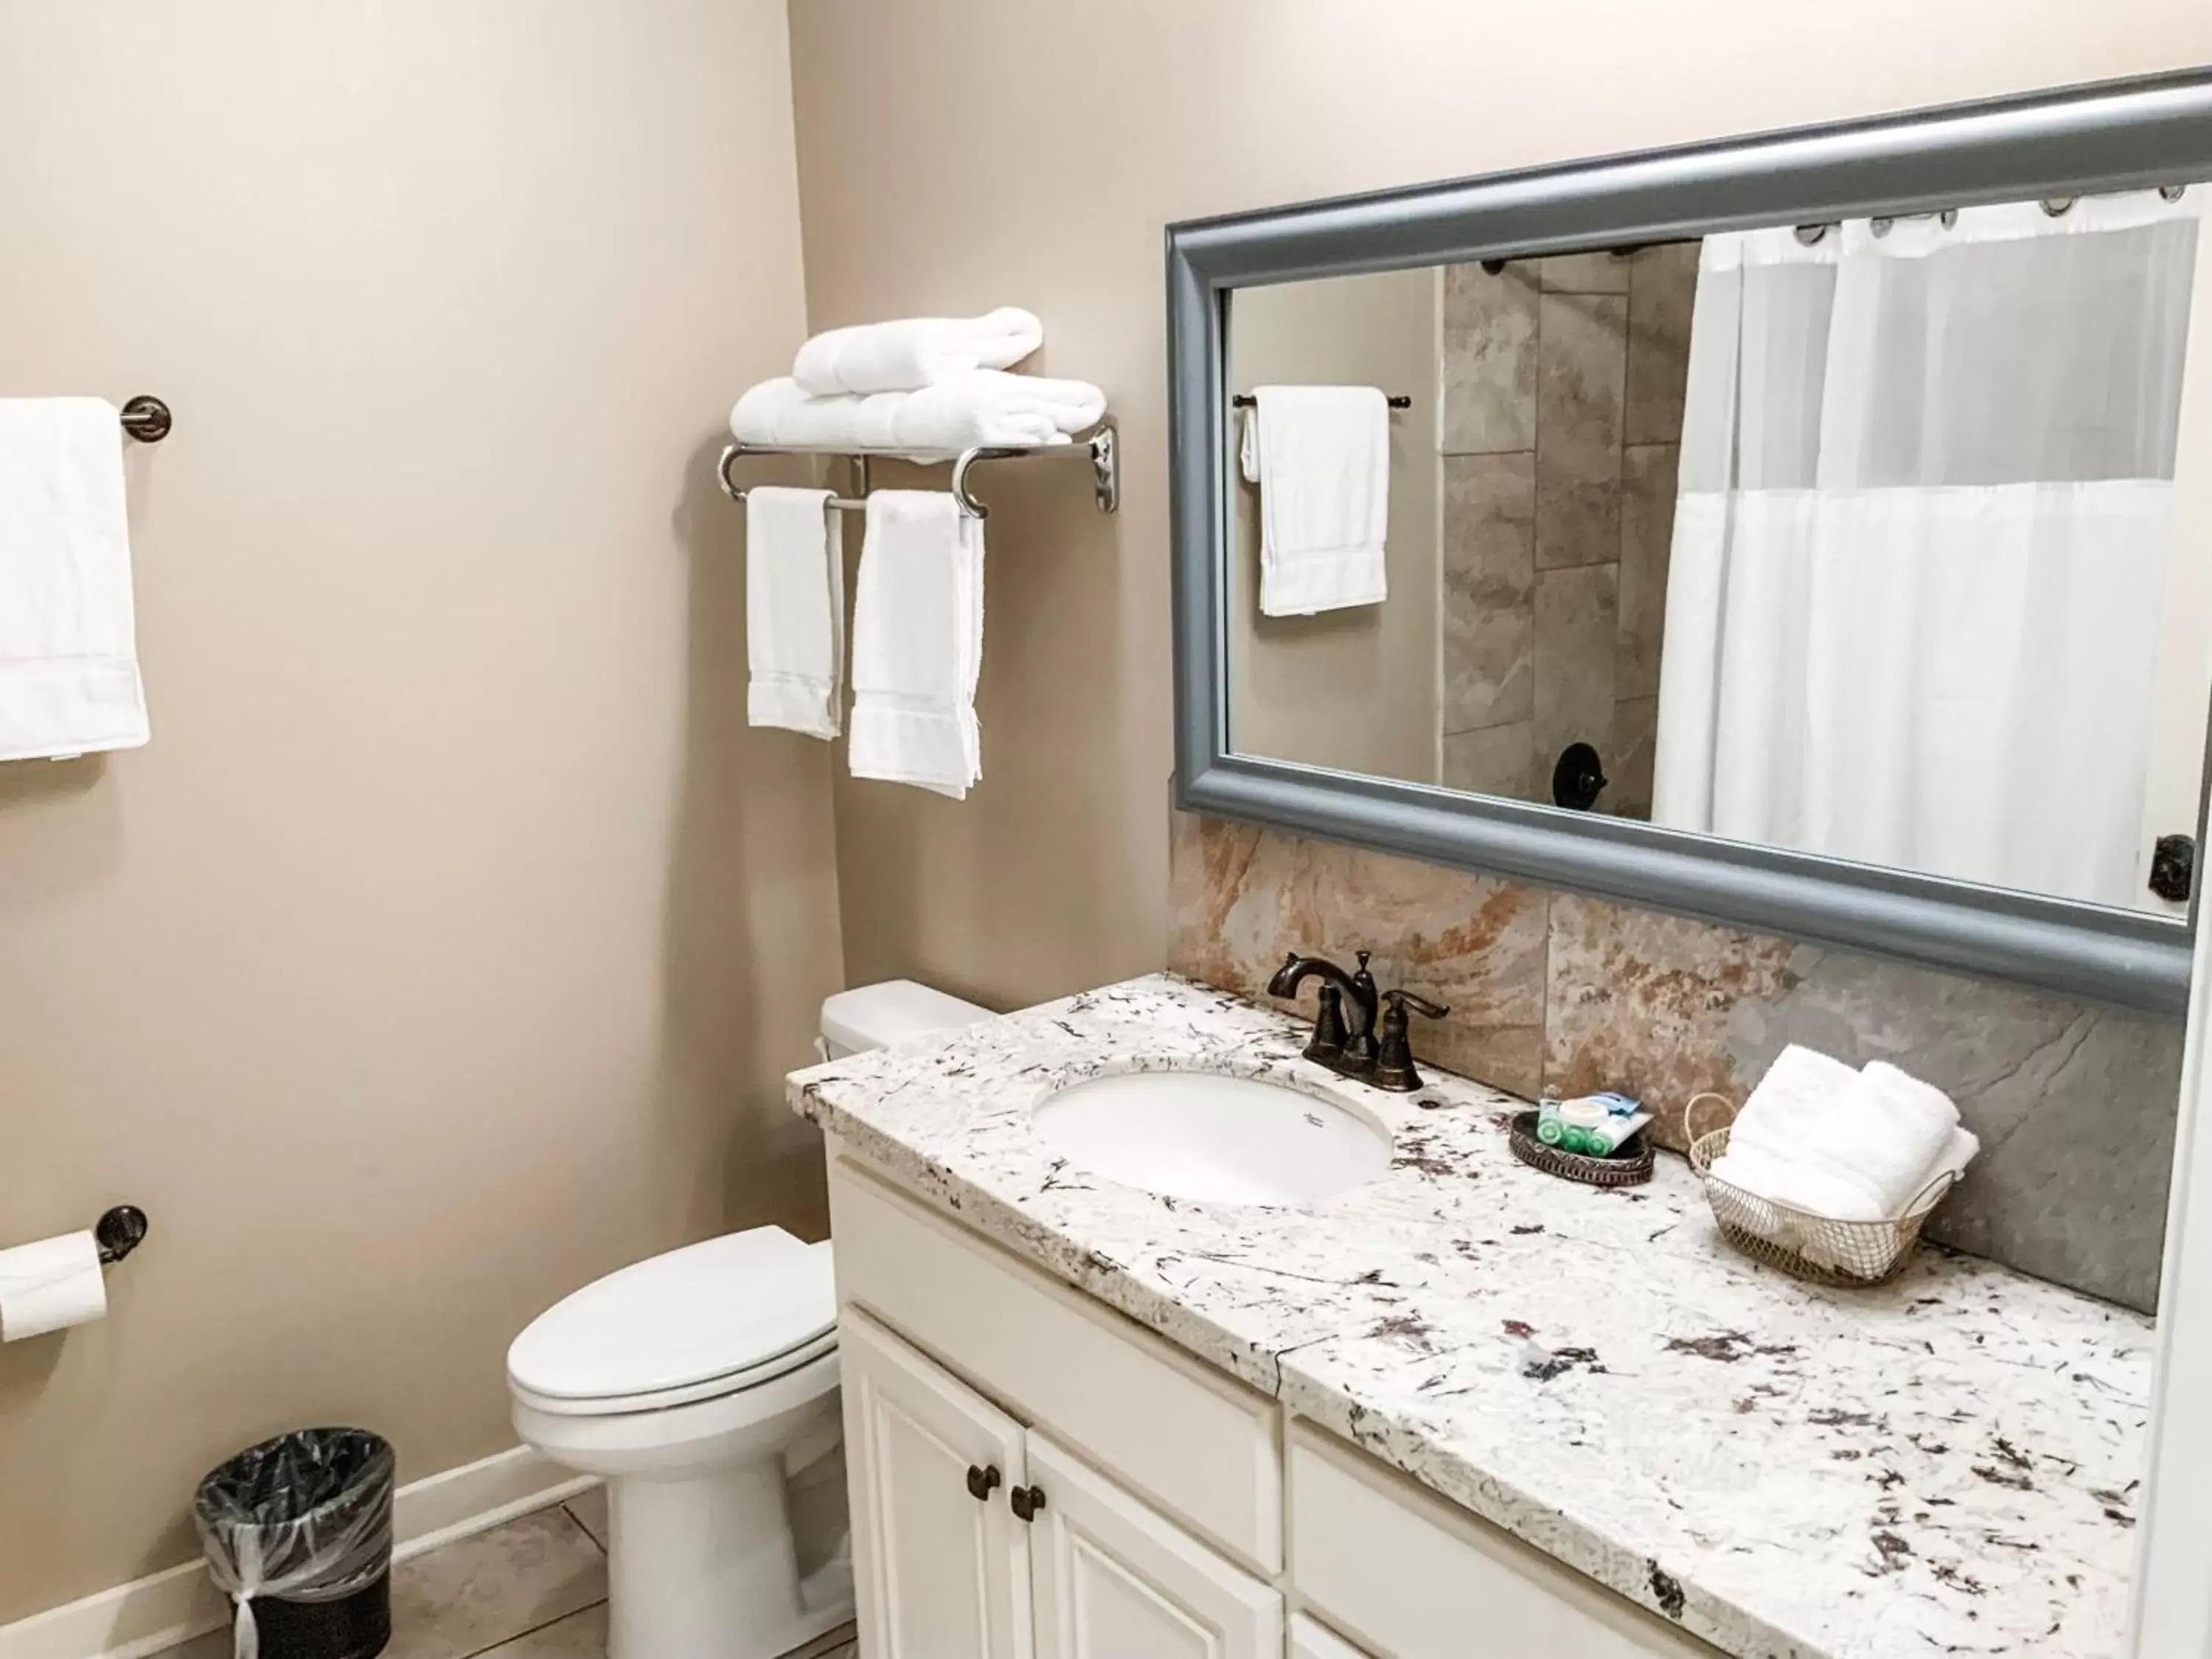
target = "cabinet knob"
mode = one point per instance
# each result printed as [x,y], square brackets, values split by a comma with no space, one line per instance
[1026,1501]
[981,1482]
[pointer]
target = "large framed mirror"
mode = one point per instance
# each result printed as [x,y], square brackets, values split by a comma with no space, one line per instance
[1810,532]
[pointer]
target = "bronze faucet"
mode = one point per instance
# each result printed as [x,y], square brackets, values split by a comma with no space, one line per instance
[1354,1052]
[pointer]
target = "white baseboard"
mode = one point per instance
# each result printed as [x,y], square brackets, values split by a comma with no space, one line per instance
[150,1615]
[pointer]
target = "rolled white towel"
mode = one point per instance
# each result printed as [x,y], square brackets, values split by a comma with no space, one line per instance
[1912,1134]
[980,409]
[1799,1089]
[1853,1145]
[915,351]
[777,412]
[1800,1186]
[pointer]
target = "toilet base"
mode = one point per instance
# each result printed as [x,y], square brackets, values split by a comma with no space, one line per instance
[704,1567]
[701,1563]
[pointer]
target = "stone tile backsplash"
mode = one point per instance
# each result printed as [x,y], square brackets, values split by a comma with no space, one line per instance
[2075,1104]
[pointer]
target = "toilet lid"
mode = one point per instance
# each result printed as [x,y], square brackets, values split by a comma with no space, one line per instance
[732,1304]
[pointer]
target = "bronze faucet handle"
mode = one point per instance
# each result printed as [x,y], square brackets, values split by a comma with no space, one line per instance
[1419,1004]
[1394,1058]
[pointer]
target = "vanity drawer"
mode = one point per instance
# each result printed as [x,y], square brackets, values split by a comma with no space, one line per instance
[1416,1577]
[1195,1443]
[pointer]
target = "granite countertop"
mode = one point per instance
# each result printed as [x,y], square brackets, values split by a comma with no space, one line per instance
[1945,1465]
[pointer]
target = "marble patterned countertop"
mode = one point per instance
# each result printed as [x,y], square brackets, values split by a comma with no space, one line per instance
[1945,1465]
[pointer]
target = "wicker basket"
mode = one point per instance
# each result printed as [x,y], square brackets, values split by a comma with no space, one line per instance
[1807,1246]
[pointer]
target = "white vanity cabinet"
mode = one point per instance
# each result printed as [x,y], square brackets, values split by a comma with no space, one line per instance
[975,1539]
[1312,1641]
[1113,1576]
[1033,1474]
[942,1564]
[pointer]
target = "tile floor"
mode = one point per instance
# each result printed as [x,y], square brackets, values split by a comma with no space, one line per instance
[533,1588]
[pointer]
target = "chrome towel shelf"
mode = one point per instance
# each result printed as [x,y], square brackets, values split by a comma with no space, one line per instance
[1098,445]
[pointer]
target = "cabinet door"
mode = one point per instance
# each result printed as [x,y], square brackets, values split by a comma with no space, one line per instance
[1115,1579]
[1312,1641]
[939,1573]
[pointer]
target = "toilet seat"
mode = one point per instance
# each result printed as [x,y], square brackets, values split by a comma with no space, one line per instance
[699,1324]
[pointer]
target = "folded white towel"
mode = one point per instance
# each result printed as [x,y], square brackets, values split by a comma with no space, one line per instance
[1767,1145]
[1911,1134]
[795,610]
[1789,1102]
[1800,1186]
[915,351]
[979,409]
[69,654]
[918,643]
[1321,455]
[1852,1146]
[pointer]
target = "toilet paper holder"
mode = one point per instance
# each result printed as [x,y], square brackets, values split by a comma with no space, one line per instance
[119,1233]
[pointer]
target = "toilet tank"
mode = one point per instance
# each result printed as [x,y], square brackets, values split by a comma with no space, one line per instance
[896,1011]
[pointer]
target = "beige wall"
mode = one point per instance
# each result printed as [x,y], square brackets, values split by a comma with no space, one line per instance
[446,946]
[1355,689]
[961,153]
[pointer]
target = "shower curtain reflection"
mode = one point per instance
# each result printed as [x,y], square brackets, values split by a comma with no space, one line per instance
[1919,548]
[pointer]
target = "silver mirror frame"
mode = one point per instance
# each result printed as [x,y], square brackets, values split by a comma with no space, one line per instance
[2134,134]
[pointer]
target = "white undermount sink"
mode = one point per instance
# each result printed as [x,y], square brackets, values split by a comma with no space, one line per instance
[1210,1136]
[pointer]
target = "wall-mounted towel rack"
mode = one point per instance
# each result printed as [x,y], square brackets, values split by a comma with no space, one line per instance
[1099,446]
[1396,400]
[147,419]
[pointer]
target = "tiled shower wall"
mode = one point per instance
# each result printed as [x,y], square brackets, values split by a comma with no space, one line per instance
[1562,412]
[2075,1104]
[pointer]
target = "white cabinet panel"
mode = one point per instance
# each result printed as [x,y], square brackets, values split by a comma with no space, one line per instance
[1115,1580]
[1191,1441]
[1312,1641]
[939,1574]
[1418,1579]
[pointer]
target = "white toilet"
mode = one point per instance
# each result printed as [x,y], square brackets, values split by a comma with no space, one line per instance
[701,1385]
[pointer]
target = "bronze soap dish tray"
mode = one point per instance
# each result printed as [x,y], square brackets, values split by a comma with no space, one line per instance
[1630,1167]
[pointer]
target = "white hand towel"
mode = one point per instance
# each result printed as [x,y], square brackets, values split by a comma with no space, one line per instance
[1800,1186]
[1767,1151]
[915,351]
[69,654]
[979,409]
[1321,455]
[795,610]
[1852,1146]
[1908,1132]
[918,644]
[1785,1111]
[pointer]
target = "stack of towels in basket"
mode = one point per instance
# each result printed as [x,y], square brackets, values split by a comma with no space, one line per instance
[1847,1146]
[925,388]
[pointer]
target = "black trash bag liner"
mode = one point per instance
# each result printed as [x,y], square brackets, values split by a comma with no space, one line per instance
[304,1518]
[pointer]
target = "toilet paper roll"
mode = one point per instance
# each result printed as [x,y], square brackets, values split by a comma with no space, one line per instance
[50,1285]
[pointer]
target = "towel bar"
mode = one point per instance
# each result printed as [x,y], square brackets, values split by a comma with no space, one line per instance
[1099,446]
[1396,400]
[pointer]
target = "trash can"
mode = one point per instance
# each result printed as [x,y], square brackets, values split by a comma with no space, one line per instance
[297,1530]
